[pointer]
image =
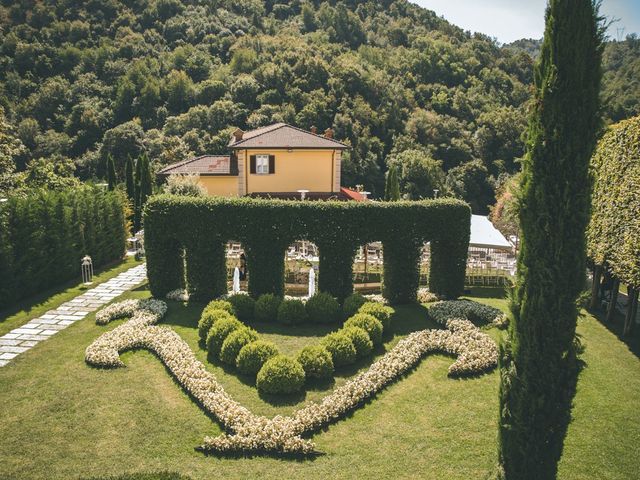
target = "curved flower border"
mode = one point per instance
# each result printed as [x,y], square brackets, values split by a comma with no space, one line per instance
[246,432]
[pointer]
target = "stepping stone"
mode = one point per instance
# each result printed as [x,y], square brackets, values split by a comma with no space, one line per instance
[29,343]
[9,342]
[48,332]
[3,363]
[8,356]
[7,349]
[29,331]
[9,336]
[33,337]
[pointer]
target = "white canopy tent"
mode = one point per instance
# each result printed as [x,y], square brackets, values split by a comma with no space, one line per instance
[485,235]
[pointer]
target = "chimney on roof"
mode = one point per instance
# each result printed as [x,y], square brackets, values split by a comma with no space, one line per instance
[328,133]
[238,133]
[314,130]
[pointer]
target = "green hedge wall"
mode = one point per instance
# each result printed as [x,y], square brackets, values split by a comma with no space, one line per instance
[43,237]
[613,236]
[185,240]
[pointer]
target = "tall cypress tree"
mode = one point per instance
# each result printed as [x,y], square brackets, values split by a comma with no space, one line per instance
[111,173]
[129,180]
[392,185]
[539,360]
[136,194]
[144,187]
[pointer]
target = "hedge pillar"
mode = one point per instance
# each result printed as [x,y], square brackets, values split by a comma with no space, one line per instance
[611,308]
[448,266]
[336,269]
[206,269]
[401,276]
[265,266]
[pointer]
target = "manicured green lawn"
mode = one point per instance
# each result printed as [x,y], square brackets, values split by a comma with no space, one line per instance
[33,307]
[63,419]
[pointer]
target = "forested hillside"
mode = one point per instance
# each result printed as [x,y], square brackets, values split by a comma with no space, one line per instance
[621,75]
[81,80]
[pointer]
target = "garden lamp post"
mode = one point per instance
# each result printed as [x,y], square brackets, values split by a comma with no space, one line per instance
[87,270]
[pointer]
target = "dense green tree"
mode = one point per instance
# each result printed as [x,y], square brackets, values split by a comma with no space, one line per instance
[111,173]
[129,180]
[10,147]
[418,174]
[121,142]
[392,185]
[538,362]
[471,182]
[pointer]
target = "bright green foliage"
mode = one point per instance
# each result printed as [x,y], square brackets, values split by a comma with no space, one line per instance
[360,339]
[292,312]
[219,332]
[351,304]
[392,185]
[234,342]
[538,364]
[10,147]
[614,231]
[323,308]
[225,305]
[316,361]
[369,323]
[208,318]
[266,309]
[254,355]
[417,175]
[243,306]
[341,348]
[380,311]
[280,375]
[44,235]
[202,226]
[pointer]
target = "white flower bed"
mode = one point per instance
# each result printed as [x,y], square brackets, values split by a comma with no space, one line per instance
[178,295]
[475,351]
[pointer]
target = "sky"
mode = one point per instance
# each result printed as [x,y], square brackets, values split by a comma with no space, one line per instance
[509,20]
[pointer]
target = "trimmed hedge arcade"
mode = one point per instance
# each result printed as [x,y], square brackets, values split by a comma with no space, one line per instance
[185,243]
[43,237]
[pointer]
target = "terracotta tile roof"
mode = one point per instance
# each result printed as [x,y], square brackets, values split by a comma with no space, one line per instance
[203,165]
[282,135]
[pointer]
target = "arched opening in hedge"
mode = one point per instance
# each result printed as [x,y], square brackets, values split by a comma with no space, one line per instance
[236,258]
[300,257]
[368,268]
[425,260]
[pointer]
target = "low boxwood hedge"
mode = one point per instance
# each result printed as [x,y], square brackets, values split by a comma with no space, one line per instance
[234,342]
[351,304]
[254,355]
[219,332]
[323,308]
[360,339]
[380,311]
[316,361]
[341,348]
[280,375]
[292,312]
[208,318]
[369,323]
[243,306]
[266,308]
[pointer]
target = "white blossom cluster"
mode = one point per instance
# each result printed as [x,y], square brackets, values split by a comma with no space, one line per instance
[247,432]
[178,295]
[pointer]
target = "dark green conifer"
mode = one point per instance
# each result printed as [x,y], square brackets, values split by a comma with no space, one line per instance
[539,360]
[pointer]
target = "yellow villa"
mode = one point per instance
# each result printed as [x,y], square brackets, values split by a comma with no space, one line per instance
[278,161]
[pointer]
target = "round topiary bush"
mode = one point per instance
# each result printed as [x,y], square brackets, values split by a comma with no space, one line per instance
[360,339]
[380,311]
[208,318]
[219,333]
[341,348]
[292,312]
[351,304]
[219,305]
[266,309]
[234,342]
[316,361]
[323,308]
[369,323]
[253,355]
[280,375]
[243,306]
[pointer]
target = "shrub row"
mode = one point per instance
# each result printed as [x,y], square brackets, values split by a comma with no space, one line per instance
[194,231]
[475,312]
[233,343]
[44,236]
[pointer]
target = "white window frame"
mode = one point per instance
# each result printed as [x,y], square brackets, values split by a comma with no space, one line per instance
[262,164]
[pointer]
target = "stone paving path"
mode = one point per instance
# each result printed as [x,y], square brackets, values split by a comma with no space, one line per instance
[21,339]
